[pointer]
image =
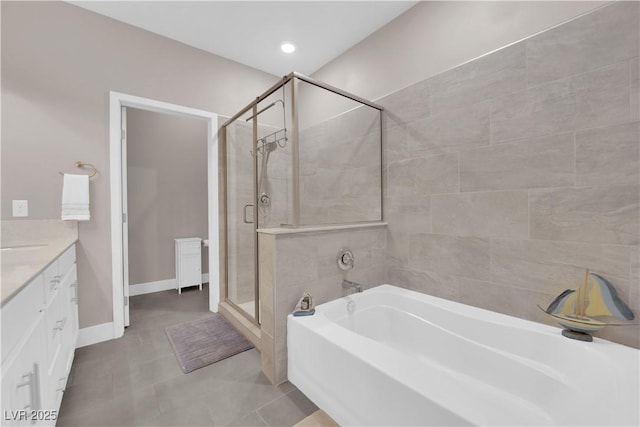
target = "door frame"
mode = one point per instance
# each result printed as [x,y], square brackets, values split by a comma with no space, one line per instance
[118,100]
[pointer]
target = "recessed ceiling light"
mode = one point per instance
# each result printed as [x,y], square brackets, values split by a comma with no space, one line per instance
[287,47]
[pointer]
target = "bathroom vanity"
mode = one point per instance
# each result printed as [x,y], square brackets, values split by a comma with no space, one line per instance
[39,323]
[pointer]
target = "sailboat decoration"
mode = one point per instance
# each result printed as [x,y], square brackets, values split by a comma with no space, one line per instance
[575,309]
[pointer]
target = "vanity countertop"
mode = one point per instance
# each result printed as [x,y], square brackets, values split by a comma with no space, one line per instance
[28,247]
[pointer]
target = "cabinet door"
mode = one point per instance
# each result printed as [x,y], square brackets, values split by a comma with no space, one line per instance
[23,383]
[19,313]
[190,269]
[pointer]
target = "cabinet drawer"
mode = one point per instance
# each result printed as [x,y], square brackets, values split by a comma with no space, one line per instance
[19,312]
[67,259]
[190,248]
[52,278]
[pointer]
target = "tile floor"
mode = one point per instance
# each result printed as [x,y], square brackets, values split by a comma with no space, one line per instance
[136,380]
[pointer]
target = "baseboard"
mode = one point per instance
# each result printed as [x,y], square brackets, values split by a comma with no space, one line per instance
[95,334]
[158,286]
[149,287]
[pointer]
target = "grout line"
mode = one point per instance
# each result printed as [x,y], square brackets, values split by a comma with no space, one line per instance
[528,215]
[260,416]
[575,159]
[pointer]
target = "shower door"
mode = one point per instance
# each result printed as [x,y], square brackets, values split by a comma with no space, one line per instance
[258,190]
[241,236]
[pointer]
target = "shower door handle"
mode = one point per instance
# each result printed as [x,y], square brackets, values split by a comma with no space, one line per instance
[244,214]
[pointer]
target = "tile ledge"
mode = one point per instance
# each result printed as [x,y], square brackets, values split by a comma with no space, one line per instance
[283,230]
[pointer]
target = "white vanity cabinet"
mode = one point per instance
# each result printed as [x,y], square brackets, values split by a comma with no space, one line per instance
[188,262]
[23,384]
[39,334]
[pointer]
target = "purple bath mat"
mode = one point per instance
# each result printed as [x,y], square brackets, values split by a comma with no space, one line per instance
[205,341]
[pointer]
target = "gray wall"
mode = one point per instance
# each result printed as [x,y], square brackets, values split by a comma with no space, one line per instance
[167,190]
[434,36]
[511,174]
[59,63]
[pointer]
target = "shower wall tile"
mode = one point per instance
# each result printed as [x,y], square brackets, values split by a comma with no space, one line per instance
[461,128]
[323,185]
[310,142]
[354,123]
[266,272]
[408,214]
[450,255]
[398,250]
[296,262]
[279,166]
[339,165]
[607,214]
[355,152]
[508,300]
[595,40]
[354,210]
[608,156]
[363,246]
[538,162]
[596,98]
[439,285]
[408,104]
[634,73]
[314,134]
[313,211]
[491,214]
[551,267]
[628,336]
[362,182]
[395,143]
[497,74]
[634,89]
[602,96]
[423,176]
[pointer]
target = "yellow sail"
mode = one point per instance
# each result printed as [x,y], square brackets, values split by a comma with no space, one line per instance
[601,300]
[595,302]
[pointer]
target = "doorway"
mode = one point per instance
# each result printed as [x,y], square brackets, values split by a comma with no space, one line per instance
[119,222]
[165,200]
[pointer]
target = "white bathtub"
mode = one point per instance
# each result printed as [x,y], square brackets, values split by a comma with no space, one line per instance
[406,358]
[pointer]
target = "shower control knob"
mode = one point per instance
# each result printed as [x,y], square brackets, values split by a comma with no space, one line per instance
[345,259]
[265,200]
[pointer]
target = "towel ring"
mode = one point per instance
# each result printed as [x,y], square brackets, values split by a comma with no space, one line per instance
[80,164]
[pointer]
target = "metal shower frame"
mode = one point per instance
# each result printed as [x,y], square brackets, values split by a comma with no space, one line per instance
[295,78]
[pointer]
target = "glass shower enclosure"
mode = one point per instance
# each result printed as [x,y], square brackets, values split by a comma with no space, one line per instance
[303,154]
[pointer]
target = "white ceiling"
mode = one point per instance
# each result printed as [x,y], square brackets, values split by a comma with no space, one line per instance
[250,32]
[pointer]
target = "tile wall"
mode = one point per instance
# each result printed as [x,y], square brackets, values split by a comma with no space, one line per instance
[294,263]
[509,175]
[340,176]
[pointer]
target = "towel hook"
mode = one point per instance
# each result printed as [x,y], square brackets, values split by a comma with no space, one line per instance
[80,164]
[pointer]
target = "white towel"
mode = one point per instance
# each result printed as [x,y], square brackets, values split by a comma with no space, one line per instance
[75,197]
